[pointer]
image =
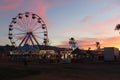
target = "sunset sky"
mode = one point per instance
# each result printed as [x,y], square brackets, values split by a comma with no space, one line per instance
[88,21]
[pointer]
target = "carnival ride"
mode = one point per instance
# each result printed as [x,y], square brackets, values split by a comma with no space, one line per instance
[72,43]
[28,29]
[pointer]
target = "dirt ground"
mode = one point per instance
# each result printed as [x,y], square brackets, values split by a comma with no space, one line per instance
[73,71]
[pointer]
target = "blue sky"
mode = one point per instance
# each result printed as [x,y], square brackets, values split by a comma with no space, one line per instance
[87,21]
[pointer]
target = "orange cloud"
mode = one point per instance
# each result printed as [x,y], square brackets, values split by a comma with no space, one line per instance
[9,4]
[85,43]
[64,45]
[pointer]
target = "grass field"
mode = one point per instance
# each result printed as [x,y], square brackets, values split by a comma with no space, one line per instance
[74,71]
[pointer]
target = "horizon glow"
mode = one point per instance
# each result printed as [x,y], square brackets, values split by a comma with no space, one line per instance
[88,21]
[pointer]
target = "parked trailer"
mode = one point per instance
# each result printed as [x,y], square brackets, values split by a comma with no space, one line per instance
[111,54]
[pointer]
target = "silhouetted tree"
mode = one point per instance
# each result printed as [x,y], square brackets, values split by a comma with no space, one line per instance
[117,27]
[98,45]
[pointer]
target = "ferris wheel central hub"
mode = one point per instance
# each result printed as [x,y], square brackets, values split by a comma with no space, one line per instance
[29,33]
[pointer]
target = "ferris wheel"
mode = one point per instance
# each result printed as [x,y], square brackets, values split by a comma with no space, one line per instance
[28,28]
